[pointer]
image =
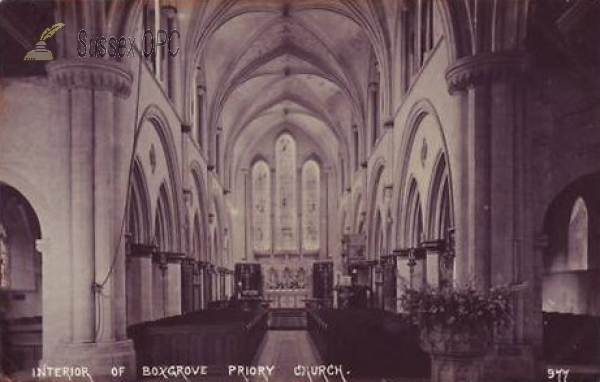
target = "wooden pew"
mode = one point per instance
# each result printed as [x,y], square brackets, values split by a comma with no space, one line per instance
[214,338]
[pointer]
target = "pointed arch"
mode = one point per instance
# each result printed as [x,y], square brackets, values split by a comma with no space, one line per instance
[164,237]
[578,236]
[441,211]
[154,117]
[414,228]
[139,206]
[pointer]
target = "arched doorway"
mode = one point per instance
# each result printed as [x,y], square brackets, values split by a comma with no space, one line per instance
[20,283]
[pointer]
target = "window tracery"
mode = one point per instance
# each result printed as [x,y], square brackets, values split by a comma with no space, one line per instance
[261,207]
[311,184]
[285,193]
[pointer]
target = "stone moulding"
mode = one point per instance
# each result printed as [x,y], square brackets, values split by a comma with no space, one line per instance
[93,74]
[485,68]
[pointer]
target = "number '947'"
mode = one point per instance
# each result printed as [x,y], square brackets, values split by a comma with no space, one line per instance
[558,375]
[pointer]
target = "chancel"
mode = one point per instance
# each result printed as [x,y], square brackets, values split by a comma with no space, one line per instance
[308,183]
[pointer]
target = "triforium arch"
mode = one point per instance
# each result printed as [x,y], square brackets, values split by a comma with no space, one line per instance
[413,232]
[440,213]
[154,118]
[139,225]
[164,227]
[423,159]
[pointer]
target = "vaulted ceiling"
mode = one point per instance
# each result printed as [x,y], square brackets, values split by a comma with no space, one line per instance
[299,64]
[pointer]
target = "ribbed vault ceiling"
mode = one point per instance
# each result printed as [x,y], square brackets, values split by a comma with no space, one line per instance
[299,64]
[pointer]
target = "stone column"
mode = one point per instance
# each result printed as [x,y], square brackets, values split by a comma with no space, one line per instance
[489,85]
[201,278]
[489,219]
[173,302]
[140,269]
[92,88]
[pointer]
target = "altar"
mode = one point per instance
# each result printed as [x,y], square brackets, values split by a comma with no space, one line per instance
[287,283]
[287,298]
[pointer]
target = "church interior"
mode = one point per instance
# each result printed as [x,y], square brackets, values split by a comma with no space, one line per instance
[265,186]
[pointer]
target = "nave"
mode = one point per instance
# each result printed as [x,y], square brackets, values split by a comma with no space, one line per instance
[328,156]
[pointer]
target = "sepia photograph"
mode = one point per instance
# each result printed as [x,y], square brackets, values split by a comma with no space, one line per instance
[300,190]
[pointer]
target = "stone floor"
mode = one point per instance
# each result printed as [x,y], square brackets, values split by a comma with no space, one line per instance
[294,349]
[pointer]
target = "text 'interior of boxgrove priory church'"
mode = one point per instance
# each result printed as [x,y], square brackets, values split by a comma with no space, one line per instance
[360,190]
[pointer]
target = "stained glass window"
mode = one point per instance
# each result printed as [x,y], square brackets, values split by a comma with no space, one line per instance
[285,193]
[261,205]
[311,186]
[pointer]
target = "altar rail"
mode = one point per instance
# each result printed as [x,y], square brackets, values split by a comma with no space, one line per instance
[368,342]
[215,338]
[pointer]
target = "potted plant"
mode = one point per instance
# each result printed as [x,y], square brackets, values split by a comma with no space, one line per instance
[457,327]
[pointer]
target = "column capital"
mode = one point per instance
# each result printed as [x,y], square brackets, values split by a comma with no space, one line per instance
[93,74]
[174,257]
[485,68]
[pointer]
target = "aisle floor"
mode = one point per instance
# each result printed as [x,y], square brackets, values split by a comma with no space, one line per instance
[292,352]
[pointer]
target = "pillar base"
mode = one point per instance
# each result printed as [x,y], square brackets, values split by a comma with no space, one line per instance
[99,357]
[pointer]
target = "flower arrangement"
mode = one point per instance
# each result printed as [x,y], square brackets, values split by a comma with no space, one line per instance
[458,309]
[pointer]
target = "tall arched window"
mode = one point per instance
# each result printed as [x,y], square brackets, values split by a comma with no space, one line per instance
[578,236]
[261,206]
[285,194]
[311,206]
